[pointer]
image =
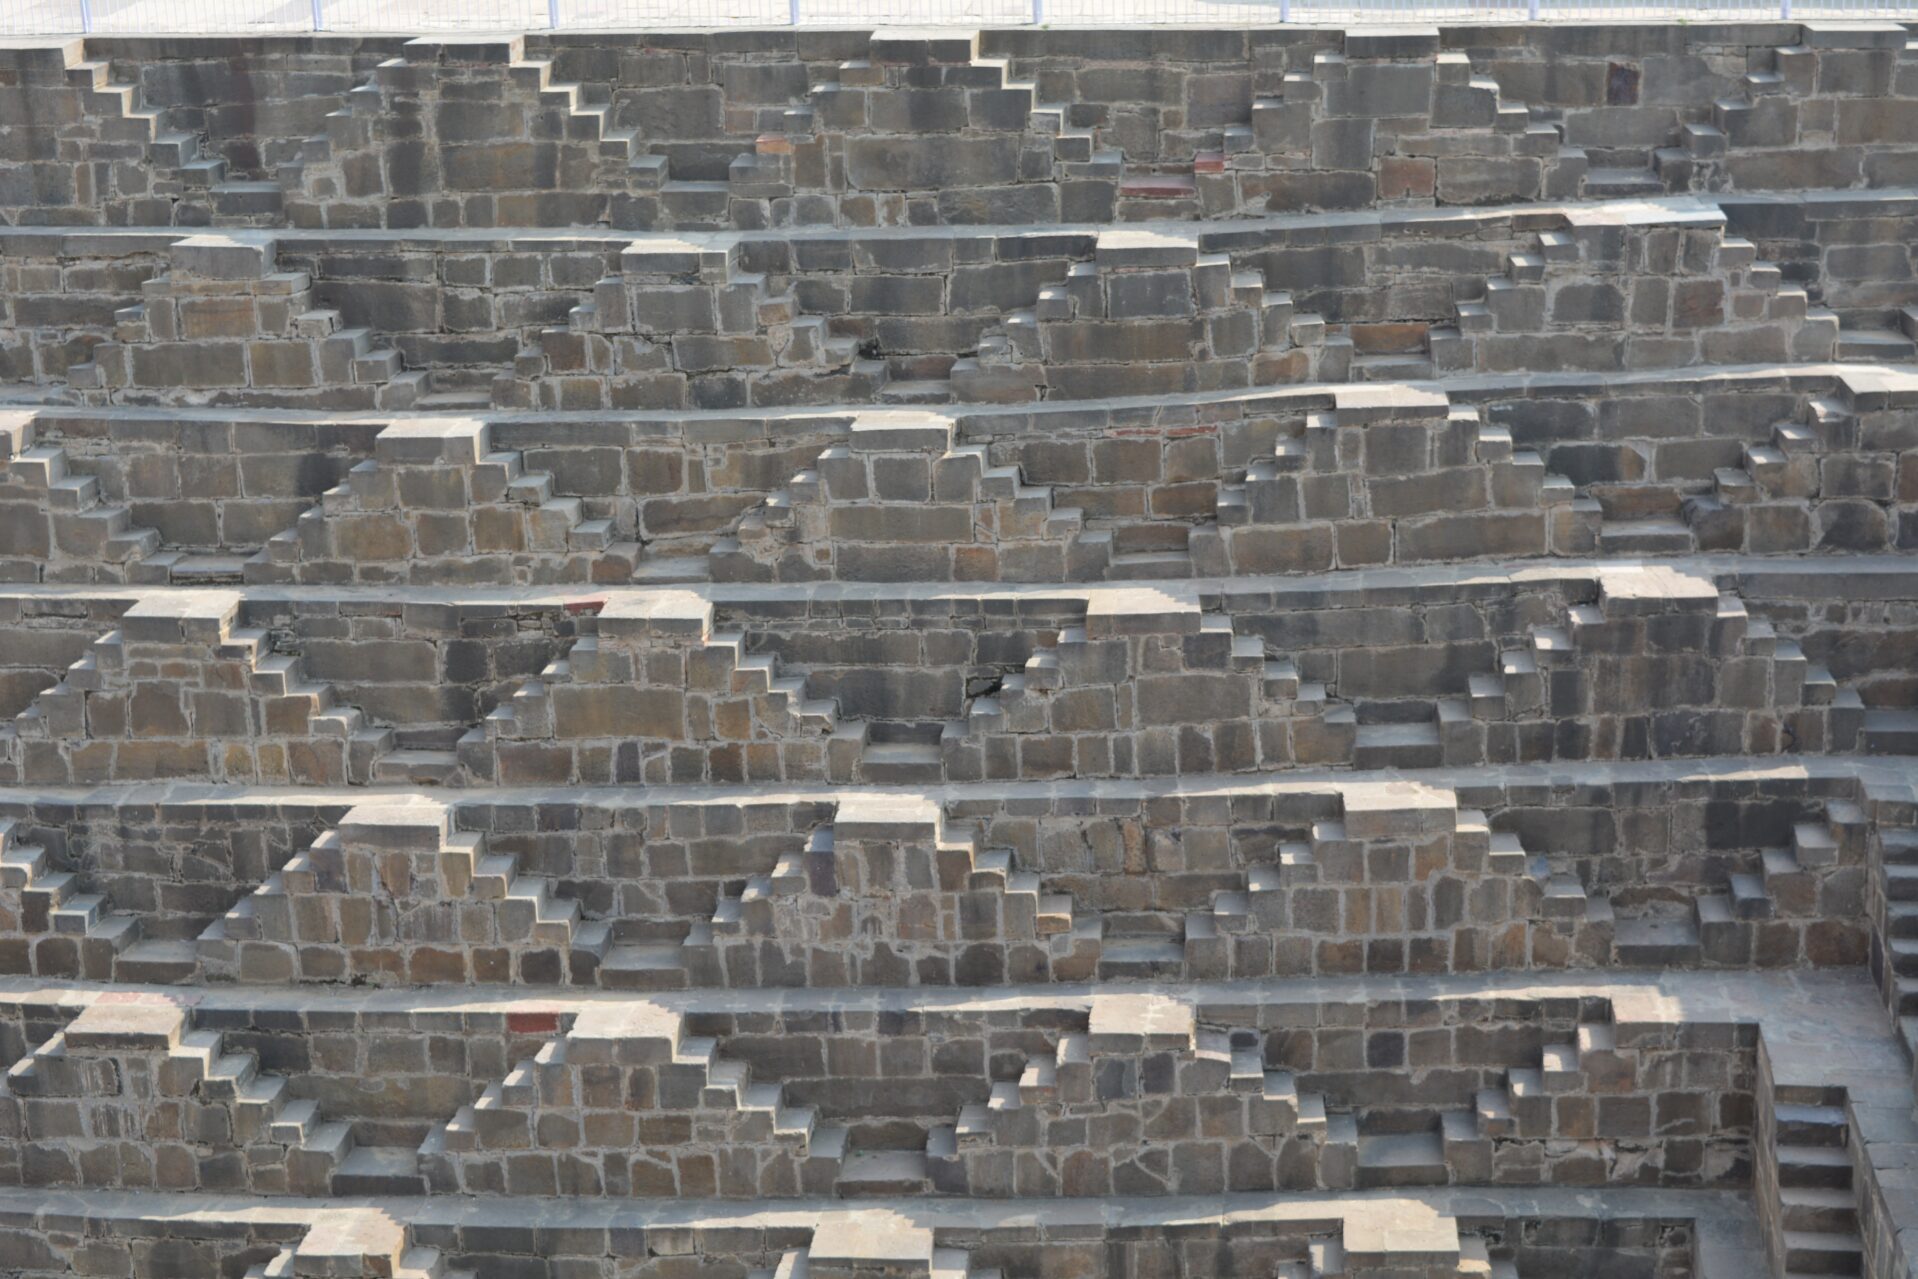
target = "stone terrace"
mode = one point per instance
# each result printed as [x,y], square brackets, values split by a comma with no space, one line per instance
[925,652]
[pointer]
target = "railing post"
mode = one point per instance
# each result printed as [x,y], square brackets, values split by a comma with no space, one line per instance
[1784,10]
[552,14]
[1531,10]
[792,13]
[86,17]
[1285,10]
[319,15]
[1038,12]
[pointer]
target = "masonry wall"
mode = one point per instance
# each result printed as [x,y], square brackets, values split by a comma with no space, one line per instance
[647,133]
[1644,448]
[927,654]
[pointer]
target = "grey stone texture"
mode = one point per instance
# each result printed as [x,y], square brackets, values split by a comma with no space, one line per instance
[180,690]
[926,652]
[438,504]
[1761,460]
[892,890]
[1006,126]
[765,321]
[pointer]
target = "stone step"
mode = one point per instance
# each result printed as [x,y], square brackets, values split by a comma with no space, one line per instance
[1795,1124]
[1150,565]
[247,199]
[1818,1209]
[1656,941]
[878,1173]
[1401,1159]
[417,767]
[1645,537]
[648,966]
[917,391]
[1397,746]
[379,1170]
[1391,368]
[1613,184]
[1158,186]
[1876,346]
[1815,1166]
[159,962]
[1891,732]
[901,762]
[1140,957]
[1809,1253]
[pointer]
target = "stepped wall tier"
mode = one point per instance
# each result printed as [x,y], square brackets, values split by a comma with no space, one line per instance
[865,128]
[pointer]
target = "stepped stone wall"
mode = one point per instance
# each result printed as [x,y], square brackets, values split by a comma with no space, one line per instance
[857,128]
[928,652]
[1764,461]
[963,314]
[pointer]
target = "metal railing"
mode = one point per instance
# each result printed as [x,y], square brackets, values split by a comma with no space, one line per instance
[242,17]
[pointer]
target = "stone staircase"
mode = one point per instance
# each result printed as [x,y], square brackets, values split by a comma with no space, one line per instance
[1689,626]
[199,186]
[335,179]
[308,922]
[790,920]
[1814,1220]
[1150,314]
[91,1064]
[1513,301]
[698,329]
[73,931]
[1270,901]
[315,174]
[1792,883]
[1101,1071]
[803,153]
[1893,869]
[1466,1146]
[900,500]
[1093,679]
[224,310]
[260,696]
[1688,165]
[1763,505]
[808,921]
[658,200]
[1442,132]
[784,146]
[436,505]
[70,531]
[588,695]
[1698,320]
[713,1101]
[1393,475]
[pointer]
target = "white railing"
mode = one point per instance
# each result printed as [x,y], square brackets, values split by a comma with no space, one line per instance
[240,17]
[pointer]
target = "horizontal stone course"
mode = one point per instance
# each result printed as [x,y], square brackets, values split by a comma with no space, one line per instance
[1740,465]
[800,319]
[862,890]
[651,133]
